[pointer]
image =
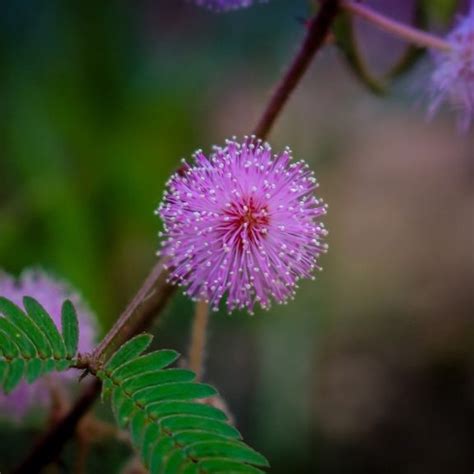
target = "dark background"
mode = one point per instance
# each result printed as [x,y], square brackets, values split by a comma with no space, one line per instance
[370,369]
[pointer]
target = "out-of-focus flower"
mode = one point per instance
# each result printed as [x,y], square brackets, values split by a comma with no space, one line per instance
[51,293]
[224,5]
[242,224]
[453,78]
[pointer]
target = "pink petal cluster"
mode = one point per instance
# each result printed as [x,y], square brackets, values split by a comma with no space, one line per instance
[242,224]
[224,5]
[453,78]
[51,293]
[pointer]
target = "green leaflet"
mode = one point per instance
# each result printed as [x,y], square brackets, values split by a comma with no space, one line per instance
[130,350]
[151,433]
[19,338]
[174,461]
[30,344]
[159,377]
[34,370]
[160,453]
[197,436]
[137,428]
[70,328]
[13,375]
[162,409]
[226,466]
[177,423]
[143,364]
[7,348]
[123,407]
[172,431]
[173,391]
[227,449]
[3,370]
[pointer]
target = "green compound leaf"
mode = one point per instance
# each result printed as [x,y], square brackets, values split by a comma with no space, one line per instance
[70,328]
[30,343]
[170,425]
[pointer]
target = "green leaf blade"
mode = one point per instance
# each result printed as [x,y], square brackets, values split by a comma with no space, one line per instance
[227,449]
[225,466]
[34,370]
[18,338]
[144,364]
[162,409]
[174,391]
[177,423]
[130,350]
[149,379]
[27,325]
[46,325]
[70,328]
[14,374]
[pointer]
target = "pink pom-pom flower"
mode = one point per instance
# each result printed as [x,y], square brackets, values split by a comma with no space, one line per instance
[453,78]
[243,225]
[51,294]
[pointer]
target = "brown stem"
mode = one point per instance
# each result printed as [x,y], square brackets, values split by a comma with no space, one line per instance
[198,338]
[50,444]
[155,292]
[150,299]
[317,31]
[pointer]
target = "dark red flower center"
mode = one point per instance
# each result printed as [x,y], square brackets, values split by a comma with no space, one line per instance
[249,218]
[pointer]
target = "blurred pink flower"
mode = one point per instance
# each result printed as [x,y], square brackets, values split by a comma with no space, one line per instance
[224,5]
[50,293]
[242,223]
[453,78]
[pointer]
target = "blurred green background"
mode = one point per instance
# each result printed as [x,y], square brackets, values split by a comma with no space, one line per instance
[371,368]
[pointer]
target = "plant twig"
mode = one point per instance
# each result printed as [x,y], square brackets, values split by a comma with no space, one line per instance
[50,444]
[317,31]
[198,338]
[155,292]
[150,299]
[400,30]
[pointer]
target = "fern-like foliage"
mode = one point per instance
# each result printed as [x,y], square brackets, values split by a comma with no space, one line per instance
[30,343]
[171,429]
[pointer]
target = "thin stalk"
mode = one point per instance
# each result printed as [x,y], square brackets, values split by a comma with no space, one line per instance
[400,30]
[198,339]
[138,315]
